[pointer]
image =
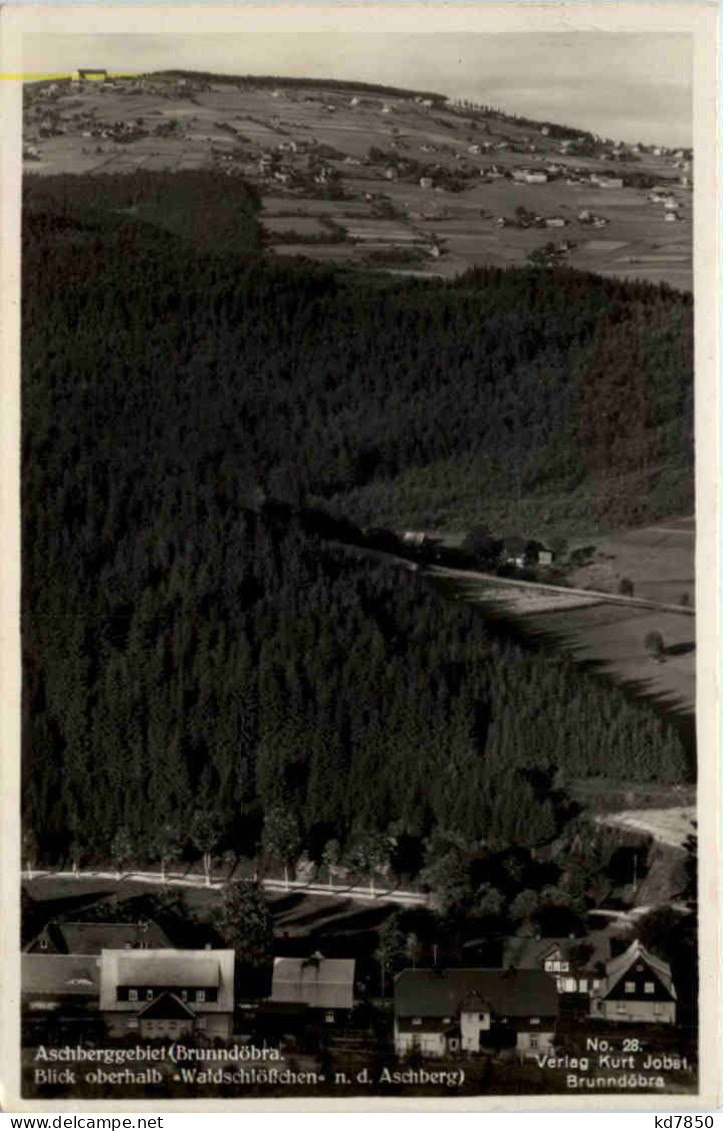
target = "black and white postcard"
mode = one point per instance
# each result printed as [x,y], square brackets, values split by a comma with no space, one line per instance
[359,679]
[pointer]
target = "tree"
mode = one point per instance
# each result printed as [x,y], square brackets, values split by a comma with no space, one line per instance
[524,905]
[121,848]
[245,922]
[281,838]
[330,857]
[165,846]
[390,949]
[205,833]
[370,853]
[655,645]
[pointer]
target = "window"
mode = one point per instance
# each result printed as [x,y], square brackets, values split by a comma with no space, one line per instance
[582,986]
[446,1020]
[657,1009]
[132,1022]
[133,995]
[201,1023]
[622,1007]
[149,995]
[534,1021]
[596,983]
[329,1016]
[650,987]
[416,1021]
[534,1041]
[630,987]
[184,995]
[200,995]
[43,944]
[564,967]
[453,1044]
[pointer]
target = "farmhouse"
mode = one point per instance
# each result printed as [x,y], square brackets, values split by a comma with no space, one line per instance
[89,75]
[92,938]
[575,966]
[440,1011]
[637,986]
[167,993]
[324,986]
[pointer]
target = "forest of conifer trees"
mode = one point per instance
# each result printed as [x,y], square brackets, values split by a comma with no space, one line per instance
[189,647]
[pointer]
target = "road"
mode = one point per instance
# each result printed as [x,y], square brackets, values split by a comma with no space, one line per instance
[176,879]
[591,595]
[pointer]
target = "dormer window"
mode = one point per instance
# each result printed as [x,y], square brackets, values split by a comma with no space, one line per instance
[133,995]
[416,1021]
[149,995]
[184,995]
[43,944]
[200,995]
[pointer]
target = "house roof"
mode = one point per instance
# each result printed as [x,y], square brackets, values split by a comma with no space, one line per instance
[526,953]
[57,974]
[322,983]
[169,969]
[194,968]
[166,1007]
[441,993]
[91,938]
[618,967]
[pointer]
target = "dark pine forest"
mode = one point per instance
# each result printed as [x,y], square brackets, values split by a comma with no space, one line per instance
[191,645]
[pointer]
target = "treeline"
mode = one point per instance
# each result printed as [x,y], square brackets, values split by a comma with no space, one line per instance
[286,81]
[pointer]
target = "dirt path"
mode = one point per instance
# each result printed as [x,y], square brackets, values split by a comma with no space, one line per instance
[381,895]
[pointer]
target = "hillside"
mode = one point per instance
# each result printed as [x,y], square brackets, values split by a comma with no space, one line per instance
[550,399]
[189,643]
[401,180]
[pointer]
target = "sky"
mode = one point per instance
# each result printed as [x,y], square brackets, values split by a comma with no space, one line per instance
[623,85]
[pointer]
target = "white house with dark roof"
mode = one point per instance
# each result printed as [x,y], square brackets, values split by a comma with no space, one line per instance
[438,1012]
[168,993]
[325,985]
[575,965]
[637,987]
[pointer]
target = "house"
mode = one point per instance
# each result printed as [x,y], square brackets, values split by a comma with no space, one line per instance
[671,217]
[324,985]
[555,222]
[167,993]
[536,178]
[67,983]
[89,75]
[438,1012]
[514,549]
[637,987]
[92,938]
[610,182]
[575,966]
[426,182]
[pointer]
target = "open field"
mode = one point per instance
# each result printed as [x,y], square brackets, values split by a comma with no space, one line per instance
[670,826]
[659,560]
[433,179]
